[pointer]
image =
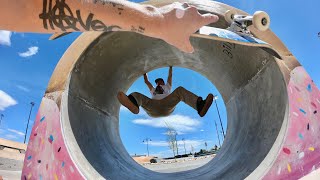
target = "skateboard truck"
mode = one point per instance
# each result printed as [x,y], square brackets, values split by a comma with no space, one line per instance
[240,23]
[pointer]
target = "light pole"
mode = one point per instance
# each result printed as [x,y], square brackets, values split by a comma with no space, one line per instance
[1,116]
[25,135]
[147,141]
[217,132]
[215,100]
[184,143]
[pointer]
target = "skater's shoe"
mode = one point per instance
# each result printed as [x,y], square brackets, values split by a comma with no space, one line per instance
[204,105]
[129,102]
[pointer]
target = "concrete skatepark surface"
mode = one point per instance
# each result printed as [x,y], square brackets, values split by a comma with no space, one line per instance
[181,164]
[10,168]
[272,105]
[11,159]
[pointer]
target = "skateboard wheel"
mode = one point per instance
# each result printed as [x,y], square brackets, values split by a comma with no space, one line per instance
[261,20]
[229,16]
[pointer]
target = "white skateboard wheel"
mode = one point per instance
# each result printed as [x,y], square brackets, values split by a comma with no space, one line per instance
[261,20]
[229,16]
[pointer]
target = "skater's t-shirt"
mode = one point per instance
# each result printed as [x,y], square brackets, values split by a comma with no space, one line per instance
[156,93]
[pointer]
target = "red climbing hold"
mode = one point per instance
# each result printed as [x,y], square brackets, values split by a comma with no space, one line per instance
[286,150]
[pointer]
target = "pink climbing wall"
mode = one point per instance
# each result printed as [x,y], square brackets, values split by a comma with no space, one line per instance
[47,156]
[300,152]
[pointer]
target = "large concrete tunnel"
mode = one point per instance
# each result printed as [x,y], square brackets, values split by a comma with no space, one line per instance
[252,82]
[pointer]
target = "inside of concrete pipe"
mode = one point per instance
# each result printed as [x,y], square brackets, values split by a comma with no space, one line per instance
[250,82]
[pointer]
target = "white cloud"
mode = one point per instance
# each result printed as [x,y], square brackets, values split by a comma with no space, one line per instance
[194,143]
[5,38]
[157,143]
[17,132]
[10,136]
[201,130]
[31,51]
[6,101]
[23,88]
[182,124]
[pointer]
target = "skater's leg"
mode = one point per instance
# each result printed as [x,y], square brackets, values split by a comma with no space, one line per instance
[194,101]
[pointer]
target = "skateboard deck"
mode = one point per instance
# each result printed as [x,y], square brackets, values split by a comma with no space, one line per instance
[231,37]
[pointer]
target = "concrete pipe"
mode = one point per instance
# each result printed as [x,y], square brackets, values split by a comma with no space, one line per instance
[271,103]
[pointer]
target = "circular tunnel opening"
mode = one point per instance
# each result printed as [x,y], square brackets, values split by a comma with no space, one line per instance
[181,141]
[250,84]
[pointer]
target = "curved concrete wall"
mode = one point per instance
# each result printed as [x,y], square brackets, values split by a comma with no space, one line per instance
[76,133]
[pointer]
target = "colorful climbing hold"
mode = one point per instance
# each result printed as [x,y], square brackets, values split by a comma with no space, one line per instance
[314,105]
[51,139]
[300,136]
[296,114]
[315,112]
[62,165]
[42,119]
[311,148]
[301,155]
[289,167]
[308,126]
[35,134]
[303,111]
[29,157]
[59,149]
[29,176]
[55,176]
[286,150]
[39,161]
[309,88]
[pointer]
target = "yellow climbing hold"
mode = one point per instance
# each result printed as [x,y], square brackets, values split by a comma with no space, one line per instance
[29,176]
[289,167]
[311,148]
[55,177]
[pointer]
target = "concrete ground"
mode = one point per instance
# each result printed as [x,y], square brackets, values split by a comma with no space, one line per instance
[10,169]
[182,164]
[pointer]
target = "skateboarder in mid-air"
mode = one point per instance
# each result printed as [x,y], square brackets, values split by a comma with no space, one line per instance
[163,102]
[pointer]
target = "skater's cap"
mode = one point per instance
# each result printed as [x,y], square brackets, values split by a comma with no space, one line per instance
[159,79]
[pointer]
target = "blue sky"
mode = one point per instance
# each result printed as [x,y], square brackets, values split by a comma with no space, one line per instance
[27,61]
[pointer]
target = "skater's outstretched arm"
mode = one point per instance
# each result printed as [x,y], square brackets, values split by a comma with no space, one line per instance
[145,76]
[173,23]
[169,81]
